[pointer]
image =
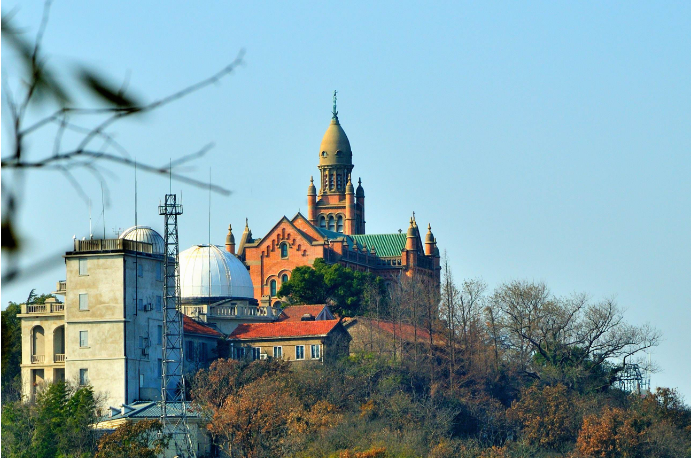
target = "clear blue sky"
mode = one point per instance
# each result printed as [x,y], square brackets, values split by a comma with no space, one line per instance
[543,140]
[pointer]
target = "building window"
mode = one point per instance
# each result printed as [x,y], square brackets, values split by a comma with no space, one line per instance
[83,301]
[322,222]
[278,352]
[159,368]
[331,223]
[299,352]
[159,335]
[339,224]
[256,352]
[284,250]
[202,352]
[158,301]
[316,351]
[83,339]
[140,270]
[284,278]
[83,377]
[159,271]
[140,304]
[83,267]
[331,181]
[272,287]
[239,352]
[189,356]
[339,181]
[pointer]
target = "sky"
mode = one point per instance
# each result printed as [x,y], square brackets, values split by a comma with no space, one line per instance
[545,141]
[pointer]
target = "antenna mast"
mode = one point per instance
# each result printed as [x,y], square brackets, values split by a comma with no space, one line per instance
[173,404]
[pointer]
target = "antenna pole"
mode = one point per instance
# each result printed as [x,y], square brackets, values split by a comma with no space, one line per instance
[91,235]
[103,211]
[173,402]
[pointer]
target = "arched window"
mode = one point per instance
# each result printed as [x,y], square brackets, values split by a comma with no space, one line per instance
[272,287]
[339,182]
[38,345]
[284,278]
[284,250]
[339,225]
[322,222]
[331,223]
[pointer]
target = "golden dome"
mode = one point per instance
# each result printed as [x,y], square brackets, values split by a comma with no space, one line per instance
[335,147]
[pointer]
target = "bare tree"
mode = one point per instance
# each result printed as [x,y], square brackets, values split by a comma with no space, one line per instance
[90,127]
[572,337]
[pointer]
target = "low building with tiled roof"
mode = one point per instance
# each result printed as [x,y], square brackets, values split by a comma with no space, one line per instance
[387,337]
[317,312]
[296,341]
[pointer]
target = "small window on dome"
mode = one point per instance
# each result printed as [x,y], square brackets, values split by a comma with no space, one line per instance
[272,287]
[284,250]
[338,153]
[323,153]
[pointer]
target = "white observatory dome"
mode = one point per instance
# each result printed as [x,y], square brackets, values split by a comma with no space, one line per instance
[204,265]
[147,235]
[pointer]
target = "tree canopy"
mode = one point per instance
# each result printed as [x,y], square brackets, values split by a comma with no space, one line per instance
[341,287]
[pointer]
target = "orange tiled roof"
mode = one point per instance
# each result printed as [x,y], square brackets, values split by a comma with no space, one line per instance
[283,329]
[295,312]
[190,326]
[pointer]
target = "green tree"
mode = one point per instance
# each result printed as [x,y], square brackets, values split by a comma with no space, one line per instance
[341,287]
[58,424]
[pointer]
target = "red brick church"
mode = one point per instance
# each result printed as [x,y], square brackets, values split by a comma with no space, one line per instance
[333,230]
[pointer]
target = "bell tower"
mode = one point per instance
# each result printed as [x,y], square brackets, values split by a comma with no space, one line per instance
[336,207]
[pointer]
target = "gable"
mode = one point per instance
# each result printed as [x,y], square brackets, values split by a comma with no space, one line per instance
[302,223]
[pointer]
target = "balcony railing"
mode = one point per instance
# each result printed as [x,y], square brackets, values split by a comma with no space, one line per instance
[231,311]
[61,288]
[112,245]
[38,359]
[59,358]
[52,307]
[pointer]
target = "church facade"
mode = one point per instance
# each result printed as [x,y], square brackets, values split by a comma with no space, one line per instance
[332,230]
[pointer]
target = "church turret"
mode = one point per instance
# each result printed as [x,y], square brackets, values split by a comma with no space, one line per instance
[245,238]
[312,202]
[411,239]
[230,240]
[350,208]
[360,201]
[335,157]
[429,242]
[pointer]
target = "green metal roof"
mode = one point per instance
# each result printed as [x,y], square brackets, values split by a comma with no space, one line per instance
[387,245]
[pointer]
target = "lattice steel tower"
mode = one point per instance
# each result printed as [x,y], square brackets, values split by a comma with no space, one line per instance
[173,404]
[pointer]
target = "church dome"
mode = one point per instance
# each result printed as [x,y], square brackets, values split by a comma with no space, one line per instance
[147,235]
[204,268]
[335,147]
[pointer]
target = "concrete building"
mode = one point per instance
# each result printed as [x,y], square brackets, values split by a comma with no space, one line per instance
[106,332]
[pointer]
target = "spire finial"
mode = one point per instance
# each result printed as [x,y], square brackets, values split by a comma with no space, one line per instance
[312,179]
[429,227]
[230,228]
[334,113]
[359,181]
[247,223]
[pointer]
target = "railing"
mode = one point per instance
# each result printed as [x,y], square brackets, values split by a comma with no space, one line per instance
[36,308]
[54,307]
[57,307]
[241,311]
[59,358]
[61,287]
[38,359]
[112,245]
